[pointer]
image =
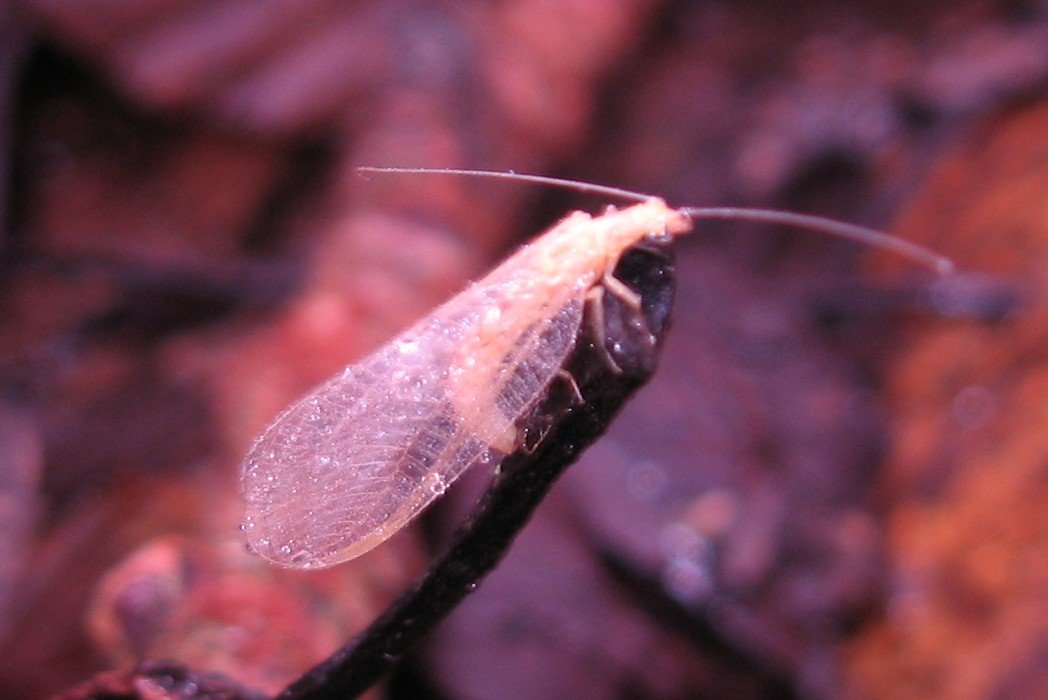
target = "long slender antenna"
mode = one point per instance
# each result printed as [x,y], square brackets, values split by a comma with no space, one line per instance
[518,177]
[938,263]
[868,236]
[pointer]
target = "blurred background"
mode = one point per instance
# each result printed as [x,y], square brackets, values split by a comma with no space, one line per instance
[836,486]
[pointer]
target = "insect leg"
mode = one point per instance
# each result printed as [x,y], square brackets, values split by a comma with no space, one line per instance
[532,430]
[569,379]
[614,285]
[595,312]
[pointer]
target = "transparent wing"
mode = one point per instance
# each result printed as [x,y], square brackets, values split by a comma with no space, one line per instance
[349,464]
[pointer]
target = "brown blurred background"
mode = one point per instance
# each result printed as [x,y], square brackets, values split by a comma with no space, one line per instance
[837,486]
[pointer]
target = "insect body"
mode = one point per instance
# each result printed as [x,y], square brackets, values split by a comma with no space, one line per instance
[349,464]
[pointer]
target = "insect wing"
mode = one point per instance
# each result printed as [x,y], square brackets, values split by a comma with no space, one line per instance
[348,465]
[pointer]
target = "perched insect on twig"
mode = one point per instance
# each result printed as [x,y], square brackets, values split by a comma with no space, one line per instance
[524,369]
[352,462]
[609,361]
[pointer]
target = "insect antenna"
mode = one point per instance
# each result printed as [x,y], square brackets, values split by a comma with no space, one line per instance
[820,224]
[577,185]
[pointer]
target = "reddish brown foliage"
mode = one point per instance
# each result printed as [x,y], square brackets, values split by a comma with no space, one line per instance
[967,608]
[191,249]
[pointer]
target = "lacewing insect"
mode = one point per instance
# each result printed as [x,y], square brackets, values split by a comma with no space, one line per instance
[357,458]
